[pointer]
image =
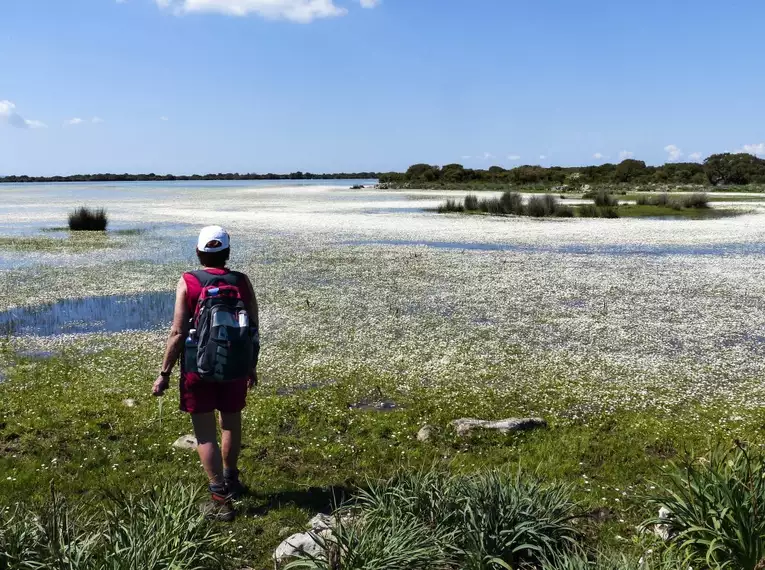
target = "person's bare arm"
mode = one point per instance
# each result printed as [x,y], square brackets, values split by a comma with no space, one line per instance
[178,332]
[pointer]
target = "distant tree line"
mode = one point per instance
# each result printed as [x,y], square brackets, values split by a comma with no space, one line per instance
[718,169]
[220,176]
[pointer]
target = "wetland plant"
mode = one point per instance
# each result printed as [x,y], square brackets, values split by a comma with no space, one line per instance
[717,508]
[435,519]
[162,528]
[604,199]
[85,219]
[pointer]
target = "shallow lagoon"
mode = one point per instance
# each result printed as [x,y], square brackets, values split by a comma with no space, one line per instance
[590,314]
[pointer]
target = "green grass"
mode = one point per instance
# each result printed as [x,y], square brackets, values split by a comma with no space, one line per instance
[635,211]
[62,420]
[76,242]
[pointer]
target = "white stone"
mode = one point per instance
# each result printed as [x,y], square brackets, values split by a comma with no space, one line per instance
[664,530]
[129,403]
[425,433]
[186,442]
[464,426]
[301,544]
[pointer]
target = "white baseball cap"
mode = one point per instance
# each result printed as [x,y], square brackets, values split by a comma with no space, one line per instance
[212,239]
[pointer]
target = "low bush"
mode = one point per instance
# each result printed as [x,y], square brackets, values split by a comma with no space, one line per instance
[84,219]
[451,206]
[434,519]
[159,529]
[604,199]
[471,202]
[717,506]
[696,200]
[512,203]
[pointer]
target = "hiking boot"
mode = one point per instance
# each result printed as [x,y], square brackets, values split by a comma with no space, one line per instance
[219,508]
[234,487]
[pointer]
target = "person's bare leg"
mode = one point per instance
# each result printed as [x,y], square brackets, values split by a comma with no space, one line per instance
[206,432]
[231,439]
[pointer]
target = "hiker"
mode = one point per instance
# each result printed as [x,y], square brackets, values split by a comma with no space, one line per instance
[215,336]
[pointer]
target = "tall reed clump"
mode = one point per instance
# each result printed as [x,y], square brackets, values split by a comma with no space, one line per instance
[698,200]
[85,219]
[434,519]
[511,203]
[157,530]
[717,509]
[605,199]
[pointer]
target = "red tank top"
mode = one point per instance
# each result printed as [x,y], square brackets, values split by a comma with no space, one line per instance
[194,288]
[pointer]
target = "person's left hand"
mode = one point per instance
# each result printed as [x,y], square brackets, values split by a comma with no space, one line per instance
[252,379]
[160,385]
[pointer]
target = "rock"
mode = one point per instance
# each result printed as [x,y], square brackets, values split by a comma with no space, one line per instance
[186,442]
[425,433]
[309,543]
[464,426]
[300,544]
[586,188]
[664,529]
[129,403]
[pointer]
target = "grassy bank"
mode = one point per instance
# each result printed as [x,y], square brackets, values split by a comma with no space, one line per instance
[604,205]
[64,419]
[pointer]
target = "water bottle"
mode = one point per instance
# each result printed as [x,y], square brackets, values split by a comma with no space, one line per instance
[190,352]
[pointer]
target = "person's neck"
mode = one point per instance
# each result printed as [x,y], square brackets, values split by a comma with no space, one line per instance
[218,268]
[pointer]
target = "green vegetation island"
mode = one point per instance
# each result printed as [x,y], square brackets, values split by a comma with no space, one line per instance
[719,170]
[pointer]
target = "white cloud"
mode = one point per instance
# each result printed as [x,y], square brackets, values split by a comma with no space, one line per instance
[96,120]
[673,152]
[694,157]
[598,156]
[755,149]
[625,154]
[542,157]
[487,156]
[369,3]
[74,121]
[514,157]
[302,11]
[9,115]
[163,118]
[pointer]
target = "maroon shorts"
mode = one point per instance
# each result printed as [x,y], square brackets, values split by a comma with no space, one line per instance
[201,397]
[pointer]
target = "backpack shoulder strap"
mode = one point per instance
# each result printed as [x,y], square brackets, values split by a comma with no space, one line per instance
[207,279]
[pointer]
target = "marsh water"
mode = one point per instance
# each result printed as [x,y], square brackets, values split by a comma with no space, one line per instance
[156,223]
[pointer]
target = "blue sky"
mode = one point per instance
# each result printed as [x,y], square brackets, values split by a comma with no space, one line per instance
[188,86]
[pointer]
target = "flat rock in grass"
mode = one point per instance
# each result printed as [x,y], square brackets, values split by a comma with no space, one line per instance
[305,544]
[302,544]
[464,426]
[186,442]
[128,403]
[425,433]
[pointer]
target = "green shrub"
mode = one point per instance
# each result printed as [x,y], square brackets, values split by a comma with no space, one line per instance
[84,219]
[604,199]
[697,200]
[542,206]
[717,506]
[471,202]
[564,211]
[160,529]
[450,206]
[512,203]
[588,211]
[434,519]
